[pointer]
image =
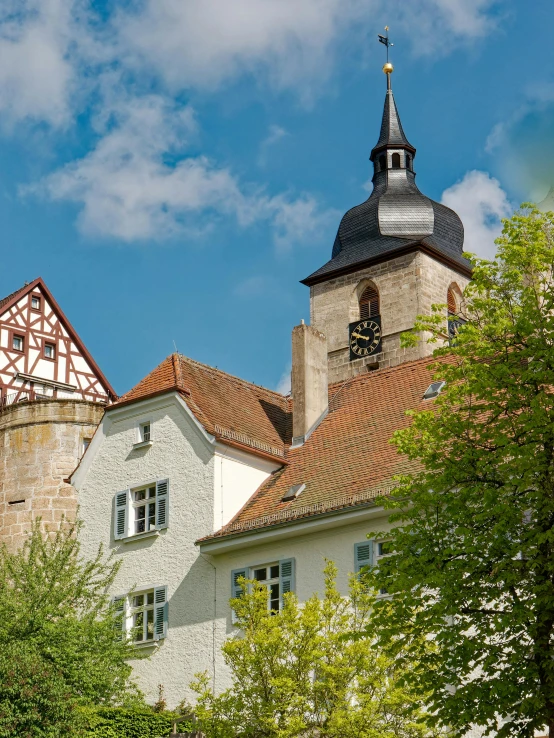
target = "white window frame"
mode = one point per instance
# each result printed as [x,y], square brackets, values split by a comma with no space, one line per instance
[127,610]
[20,339]
[52,346]
[125,504]
[137,503]
[378,555]
[285,580]
[85,443]
[140,433]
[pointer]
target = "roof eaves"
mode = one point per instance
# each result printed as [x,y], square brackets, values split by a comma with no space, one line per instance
[463,266]
[247,531]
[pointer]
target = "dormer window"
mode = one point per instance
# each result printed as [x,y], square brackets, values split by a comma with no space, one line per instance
[369,302]
[434,390]
[396,161]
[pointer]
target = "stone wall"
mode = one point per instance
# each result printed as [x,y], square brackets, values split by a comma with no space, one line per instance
[40,446]
[408,286]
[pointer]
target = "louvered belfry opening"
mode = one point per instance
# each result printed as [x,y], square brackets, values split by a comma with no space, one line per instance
[369,303]
[451,301]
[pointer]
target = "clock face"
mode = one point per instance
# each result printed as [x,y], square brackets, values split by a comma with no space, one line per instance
[365,338]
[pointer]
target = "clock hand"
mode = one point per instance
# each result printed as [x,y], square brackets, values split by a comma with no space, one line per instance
[359,335]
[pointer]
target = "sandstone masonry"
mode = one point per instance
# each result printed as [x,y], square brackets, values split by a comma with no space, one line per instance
[40,446]
[408,285]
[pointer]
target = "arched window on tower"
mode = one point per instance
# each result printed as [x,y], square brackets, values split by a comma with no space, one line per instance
[382,163]
[408,161]
[454,320]
[369,303]
[396,161]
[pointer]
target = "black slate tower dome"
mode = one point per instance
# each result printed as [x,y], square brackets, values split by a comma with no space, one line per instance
[397,217]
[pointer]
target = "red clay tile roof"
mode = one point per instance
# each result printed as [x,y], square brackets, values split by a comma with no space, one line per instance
[237,412]
[348,459]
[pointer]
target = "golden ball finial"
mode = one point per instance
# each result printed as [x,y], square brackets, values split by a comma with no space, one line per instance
[388,68]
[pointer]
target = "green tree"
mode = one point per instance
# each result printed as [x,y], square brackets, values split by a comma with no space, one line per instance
[473,562]
[297,673]
[57,646]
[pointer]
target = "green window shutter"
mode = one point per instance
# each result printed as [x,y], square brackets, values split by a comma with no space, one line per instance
[363,555]
[236,589]
[162,503]
[160,612]
[286,578]
[119,608]
[120,515]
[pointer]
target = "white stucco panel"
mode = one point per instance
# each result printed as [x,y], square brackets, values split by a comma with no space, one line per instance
[237,476]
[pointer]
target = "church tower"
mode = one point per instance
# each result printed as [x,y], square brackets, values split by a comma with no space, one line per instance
[394,256]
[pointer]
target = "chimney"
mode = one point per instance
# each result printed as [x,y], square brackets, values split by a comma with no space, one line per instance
[309,380]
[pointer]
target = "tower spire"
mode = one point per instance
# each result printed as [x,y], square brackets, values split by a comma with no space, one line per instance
[392,133]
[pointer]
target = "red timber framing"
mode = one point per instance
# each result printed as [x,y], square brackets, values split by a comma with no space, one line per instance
[54,361]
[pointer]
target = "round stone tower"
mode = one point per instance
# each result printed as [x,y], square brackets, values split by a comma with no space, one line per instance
[41,443]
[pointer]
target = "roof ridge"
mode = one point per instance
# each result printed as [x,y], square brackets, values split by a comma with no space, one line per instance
[178,375]
[6,299]
[232,376]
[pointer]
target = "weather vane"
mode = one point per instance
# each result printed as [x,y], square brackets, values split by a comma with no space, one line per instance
[387,68]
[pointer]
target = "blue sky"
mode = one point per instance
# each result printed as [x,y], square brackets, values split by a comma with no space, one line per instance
[173,168]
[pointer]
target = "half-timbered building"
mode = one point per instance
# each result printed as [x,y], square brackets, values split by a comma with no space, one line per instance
[41,355]
[52,397]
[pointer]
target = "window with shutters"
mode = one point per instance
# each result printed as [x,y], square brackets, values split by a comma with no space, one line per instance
[277,577]
[369,302]
[368,554]
[142,615]
[382,550]
[141,510]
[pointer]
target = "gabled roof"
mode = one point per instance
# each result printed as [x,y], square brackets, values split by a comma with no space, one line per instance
[238,413]
[348,460]
[7,302]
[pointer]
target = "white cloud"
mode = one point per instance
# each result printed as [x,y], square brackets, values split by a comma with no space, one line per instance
[480,202]
[294,43]
[284,383]
[275,134]
[138,183]
[251,287]
[48,48]
[36,72]
[299,219]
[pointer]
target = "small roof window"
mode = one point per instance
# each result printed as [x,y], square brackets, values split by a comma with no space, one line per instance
[293,492]
[433,390]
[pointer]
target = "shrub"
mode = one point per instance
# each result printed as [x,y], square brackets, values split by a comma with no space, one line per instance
[120,722]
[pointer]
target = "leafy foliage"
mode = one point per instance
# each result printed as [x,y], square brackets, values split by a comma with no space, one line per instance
[120,722]
[297,673]
[57,645]
[474,548]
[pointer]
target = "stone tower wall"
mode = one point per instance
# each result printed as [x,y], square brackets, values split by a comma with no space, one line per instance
[40,446]
[408,286]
